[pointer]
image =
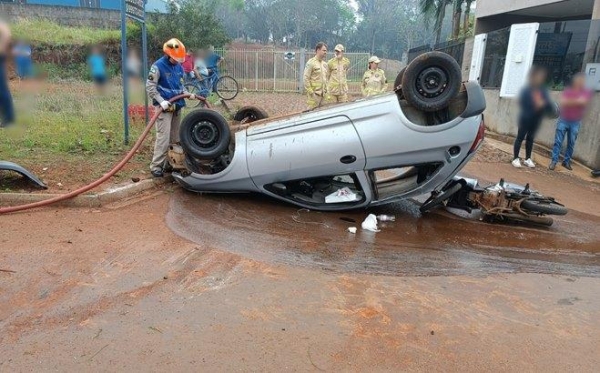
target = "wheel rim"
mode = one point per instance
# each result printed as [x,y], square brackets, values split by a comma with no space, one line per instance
[432,82]
[205,134]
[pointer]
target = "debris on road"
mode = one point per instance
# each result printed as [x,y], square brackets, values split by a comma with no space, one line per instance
[370,223]
[384,217]
[352,230]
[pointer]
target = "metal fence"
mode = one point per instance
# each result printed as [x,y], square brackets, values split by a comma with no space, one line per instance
[282,71]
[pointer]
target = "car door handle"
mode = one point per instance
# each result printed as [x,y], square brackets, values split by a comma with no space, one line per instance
[347,159]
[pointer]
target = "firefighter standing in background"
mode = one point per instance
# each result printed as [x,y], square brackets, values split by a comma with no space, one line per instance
[337,85]
[374,82]
[165,81]
[315,77]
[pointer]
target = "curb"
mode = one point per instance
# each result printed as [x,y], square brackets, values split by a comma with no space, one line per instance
[110,195]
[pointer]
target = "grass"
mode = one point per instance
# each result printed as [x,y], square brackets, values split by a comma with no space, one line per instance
[45,31]
[70,126]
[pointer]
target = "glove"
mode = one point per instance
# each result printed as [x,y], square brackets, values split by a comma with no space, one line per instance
[192,97]
[165,105]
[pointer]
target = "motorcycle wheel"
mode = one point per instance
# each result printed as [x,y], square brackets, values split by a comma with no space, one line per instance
[544,207]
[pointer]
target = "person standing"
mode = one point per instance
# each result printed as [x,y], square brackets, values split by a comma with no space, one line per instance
[534,100]
[337,69]
[7,113]
[23,62]
[315,77]
[165,81]
[133,64]
[97,65]
[188,64]
[213,61]
[574,101]
[374,81]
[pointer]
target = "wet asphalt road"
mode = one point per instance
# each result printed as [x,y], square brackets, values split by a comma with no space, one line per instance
[439,243]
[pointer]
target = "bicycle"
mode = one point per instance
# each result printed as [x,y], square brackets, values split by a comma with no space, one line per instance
[226,87]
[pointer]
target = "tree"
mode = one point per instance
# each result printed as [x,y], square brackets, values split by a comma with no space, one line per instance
[192,23]
[456,16]
[467,17]
[435,9]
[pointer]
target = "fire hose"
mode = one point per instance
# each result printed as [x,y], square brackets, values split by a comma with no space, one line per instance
[108,175]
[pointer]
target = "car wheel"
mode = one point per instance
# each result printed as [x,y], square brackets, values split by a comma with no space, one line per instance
[431,80]
[204,134]
[249,114]
[398,81]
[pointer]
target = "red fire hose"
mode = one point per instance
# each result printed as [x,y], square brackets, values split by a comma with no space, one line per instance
[108,175]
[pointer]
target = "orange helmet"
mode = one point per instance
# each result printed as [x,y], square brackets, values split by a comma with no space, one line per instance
[175,49]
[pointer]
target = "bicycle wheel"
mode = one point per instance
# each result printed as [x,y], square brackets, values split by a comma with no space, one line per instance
[227,88]
[192,88]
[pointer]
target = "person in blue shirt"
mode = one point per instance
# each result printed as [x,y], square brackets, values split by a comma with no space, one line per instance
[166,81]
[97,66]
[23,62]
[212,63]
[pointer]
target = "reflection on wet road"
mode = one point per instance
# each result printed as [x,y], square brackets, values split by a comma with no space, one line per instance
[436,244]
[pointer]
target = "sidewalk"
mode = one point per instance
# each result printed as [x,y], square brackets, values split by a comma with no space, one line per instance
[541,156]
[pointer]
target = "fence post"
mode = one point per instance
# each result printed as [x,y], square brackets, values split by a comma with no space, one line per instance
[256,71]
[301,70]
[274,72]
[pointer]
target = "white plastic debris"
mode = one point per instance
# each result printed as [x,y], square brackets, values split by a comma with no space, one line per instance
[370,223]
[352,230]
[386,217]
[342,195]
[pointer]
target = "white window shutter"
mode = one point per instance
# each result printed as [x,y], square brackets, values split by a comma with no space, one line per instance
[519,58]
[477,57]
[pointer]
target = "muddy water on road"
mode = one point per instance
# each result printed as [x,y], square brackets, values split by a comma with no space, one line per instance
[436,244]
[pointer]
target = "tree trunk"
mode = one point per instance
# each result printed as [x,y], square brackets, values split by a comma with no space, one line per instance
[456,19]
[440,21]
[466,20]
[373,41]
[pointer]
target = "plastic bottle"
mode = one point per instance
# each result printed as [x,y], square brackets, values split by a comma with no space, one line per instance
[386,218]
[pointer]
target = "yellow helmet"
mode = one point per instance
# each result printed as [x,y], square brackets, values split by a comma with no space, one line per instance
[175,49]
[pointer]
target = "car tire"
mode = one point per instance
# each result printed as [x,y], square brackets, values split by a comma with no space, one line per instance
[249,114]
[431,80]
[544,207]
[398,81]
[204,134]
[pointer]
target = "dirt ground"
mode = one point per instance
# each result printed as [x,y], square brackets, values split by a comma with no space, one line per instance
[174,281]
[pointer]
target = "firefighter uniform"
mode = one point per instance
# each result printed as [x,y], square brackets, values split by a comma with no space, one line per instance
[373,81]
[165,81]
[315,81]
[337,84]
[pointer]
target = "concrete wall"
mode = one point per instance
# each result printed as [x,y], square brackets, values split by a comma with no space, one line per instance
[66,15]
[486,8]
[501,117]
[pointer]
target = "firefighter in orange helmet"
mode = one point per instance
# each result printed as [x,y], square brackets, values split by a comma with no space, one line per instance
[165,81]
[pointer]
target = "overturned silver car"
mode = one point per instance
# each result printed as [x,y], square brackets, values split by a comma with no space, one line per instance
[367,152]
